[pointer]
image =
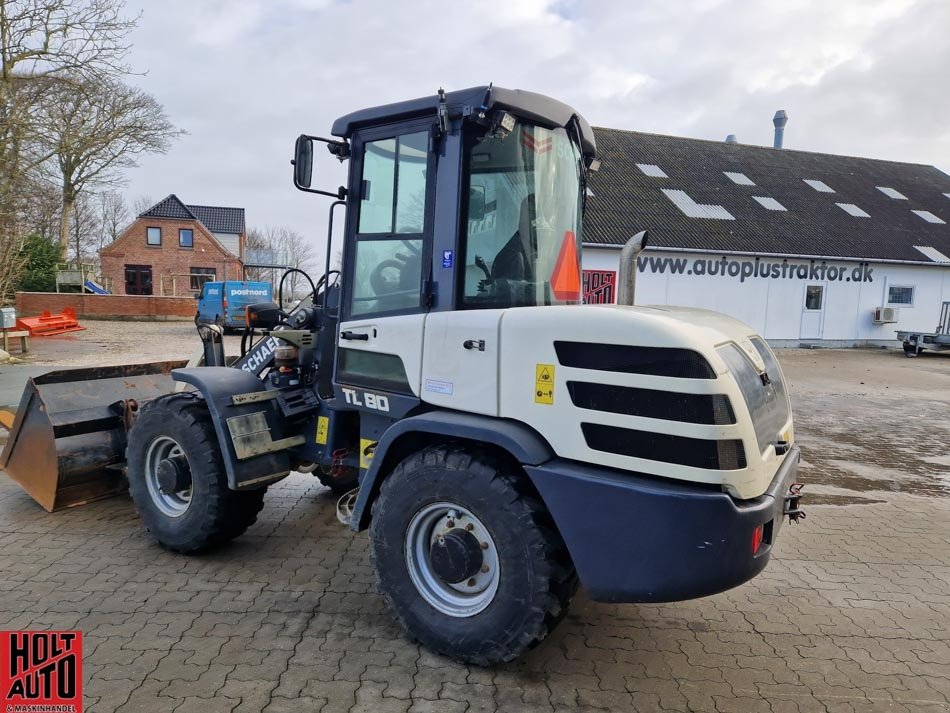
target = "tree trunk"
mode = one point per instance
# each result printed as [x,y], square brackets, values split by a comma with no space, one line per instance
[66,216]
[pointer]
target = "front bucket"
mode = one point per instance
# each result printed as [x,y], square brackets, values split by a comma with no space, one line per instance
[67,443]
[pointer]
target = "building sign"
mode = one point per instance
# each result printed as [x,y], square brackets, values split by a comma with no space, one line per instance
[600,287]
[754,268]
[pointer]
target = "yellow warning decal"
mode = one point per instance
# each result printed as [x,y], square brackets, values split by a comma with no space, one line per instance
[544,383]
[323,428]
[367,451]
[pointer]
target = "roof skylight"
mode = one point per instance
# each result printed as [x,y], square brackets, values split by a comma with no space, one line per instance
[852,209]
[928,216]
[769,203]
[932,253]
[692,209]
[739,179]
[819,186]
[891,193]
[651,169]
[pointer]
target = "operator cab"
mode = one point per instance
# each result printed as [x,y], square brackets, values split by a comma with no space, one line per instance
[512,163]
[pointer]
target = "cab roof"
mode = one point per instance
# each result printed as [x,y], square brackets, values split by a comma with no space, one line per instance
[536,107]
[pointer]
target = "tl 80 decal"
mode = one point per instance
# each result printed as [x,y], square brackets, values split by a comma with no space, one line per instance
[366,399]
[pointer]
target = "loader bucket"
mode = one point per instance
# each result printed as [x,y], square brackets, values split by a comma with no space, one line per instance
[66,446]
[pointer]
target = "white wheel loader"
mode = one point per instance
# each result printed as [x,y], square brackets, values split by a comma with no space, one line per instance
[502,442]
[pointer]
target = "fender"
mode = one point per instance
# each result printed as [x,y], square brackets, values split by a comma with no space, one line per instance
[521,441]
[218,385]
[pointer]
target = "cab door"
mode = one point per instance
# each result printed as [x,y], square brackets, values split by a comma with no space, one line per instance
[387,261]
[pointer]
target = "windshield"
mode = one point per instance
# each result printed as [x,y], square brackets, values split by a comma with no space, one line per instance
[523,234]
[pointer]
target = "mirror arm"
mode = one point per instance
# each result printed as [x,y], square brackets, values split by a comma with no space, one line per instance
[339,195]
[340,149]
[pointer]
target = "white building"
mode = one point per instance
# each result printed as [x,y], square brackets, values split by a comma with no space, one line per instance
[803,247]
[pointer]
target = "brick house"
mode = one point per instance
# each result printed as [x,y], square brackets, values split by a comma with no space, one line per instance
[172,248]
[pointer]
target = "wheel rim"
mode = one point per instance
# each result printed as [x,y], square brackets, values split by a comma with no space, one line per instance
[170,504]
[430,526]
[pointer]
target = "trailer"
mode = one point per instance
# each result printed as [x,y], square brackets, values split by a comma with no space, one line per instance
[936,341]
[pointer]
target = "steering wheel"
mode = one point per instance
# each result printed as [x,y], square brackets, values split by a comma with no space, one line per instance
[386,277]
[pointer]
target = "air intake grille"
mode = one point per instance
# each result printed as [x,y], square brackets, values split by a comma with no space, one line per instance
[666,448]
[652,361]
[713,409]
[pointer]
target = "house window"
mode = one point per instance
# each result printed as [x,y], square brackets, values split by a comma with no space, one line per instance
[186,238]
[898,295]
[814,296]
[201,275]
[153,236]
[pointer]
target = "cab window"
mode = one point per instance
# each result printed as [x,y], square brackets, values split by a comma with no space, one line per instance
[389,246]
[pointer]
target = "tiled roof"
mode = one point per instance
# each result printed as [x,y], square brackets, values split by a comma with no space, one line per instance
[733,217]
[169,207]
[215,218]
[220,220]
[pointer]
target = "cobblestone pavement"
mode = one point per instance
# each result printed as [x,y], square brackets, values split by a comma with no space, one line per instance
[853,613]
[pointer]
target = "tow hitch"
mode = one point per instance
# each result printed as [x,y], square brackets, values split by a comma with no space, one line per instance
[793,502]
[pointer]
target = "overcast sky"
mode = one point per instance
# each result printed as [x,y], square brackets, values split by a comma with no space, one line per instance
[244,77]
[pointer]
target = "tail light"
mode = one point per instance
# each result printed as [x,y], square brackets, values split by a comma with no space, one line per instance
[758,535]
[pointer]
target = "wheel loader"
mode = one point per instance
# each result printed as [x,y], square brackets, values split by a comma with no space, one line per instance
[502,442]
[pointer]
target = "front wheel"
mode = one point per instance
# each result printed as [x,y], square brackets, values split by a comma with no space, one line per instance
[467,557]
[177,478]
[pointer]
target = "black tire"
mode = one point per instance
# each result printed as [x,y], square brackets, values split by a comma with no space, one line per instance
[342,483]
[215,513]
[536,580]
[912,351]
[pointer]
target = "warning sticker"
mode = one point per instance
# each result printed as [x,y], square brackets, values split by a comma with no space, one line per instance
[367,451]
[544,383]
[323,428]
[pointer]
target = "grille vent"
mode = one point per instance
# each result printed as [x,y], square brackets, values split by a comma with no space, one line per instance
[625,359]
[710,409]
[666,448]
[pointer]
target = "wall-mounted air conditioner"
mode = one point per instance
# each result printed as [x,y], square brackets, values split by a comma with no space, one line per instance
[885,315]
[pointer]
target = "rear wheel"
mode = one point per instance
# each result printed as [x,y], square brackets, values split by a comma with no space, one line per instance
[911,350]
[177,478]
[467,556]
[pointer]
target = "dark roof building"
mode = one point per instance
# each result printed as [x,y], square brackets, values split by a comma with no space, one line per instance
[215,218]
[724,197]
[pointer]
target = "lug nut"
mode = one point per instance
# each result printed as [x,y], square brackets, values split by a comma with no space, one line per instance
[469,527]
[484,545]
[450,523]
[484,568]
[471,582]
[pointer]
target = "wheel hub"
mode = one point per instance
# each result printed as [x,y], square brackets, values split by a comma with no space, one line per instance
[452,559]
[173,474]
[456,556]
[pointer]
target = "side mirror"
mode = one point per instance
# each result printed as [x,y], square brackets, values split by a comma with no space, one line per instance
[303,161]
[476,203]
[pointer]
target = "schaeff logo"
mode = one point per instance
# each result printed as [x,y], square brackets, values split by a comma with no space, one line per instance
[42,667]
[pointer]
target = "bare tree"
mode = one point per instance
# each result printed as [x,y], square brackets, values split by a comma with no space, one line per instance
[289,249]
[113,217]
[98,129]
[43,41]
[141,204]
[84,230]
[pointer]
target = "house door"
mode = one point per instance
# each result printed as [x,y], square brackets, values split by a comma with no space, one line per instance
[138,279]
[813,312]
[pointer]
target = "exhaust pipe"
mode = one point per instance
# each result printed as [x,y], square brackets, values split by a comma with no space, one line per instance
[628,268]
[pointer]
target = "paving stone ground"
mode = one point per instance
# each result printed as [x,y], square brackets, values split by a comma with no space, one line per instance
[852,614]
